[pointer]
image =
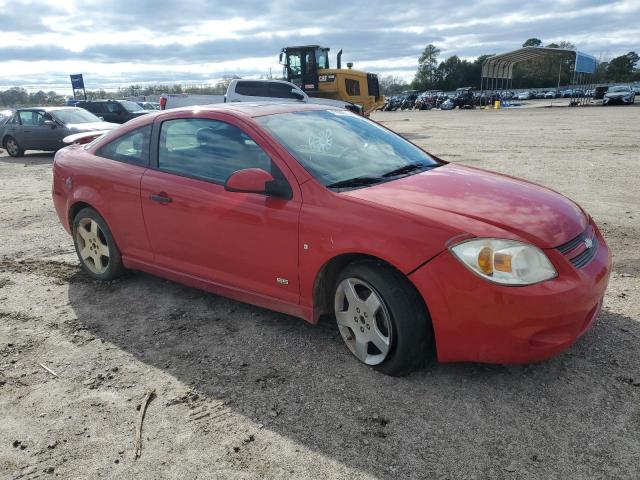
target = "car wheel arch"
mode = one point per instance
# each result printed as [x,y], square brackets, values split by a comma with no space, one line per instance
[77,206]
[327,275]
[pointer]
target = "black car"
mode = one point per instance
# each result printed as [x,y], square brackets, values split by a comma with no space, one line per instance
[115,111]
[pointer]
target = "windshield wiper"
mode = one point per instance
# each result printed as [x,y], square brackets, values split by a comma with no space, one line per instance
[355,182]
[411,167]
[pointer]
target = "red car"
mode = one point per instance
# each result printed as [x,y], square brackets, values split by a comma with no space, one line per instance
[311,210]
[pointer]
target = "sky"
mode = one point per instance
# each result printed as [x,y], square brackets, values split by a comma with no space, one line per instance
[123,42]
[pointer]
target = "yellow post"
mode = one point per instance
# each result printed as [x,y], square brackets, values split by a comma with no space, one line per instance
[496,104]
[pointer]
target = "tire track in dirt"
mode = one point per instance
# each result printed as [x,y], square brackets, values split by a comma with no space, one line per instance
[63,271]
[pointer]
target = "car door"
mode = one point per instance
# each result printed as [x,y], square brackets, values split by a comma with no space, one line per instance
[110,112]
[23,132]
[12,128]
[40,136]
[246,241]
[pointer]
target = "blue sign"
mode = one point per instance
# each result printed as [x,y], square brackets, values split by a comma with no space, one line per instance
[77,83]
[585,63]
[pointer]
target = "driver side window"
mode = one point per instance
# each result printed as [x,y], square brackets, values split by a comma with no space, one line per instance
[209,150]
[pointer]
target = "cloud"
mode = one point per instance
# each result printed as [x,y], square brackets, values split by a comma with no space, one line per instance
[164,40]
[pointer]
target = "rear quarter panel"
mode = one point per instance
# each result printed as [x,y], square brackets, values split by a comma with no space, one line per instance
[112,188]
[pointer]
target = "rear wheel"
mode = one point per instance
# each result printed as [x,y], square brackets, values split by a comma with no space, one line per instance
[97,250]
[12,147]
[381,318]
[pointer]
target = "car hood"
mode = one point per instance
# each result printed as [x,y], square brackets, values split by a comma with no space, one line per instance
[481,203]
[88,127]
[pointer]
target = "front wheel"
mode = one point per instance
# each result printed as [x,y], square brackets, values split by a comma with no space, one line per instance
[96,248]
[13,148]
[382,319]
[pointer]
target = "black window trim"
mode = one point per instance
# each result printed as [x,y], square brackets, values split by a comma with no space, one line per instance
[154,152]
[145,164]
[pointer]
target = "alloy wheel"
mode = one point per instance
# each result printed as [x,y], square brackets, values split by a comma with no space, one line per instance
[92,246]
[363,320]
[12,147]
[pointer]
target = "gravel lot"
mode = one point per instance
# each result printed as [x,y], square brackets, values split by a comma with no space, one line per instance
[242,392]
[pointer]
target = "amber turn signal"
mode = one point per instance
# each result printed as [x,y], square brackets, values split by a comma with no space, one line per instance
[485,261]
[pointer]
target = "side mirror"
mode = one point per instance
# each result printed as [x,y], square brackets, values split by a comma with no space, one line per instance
[248,180]
[50,123]
[256,180]
[101,118]
[297,93]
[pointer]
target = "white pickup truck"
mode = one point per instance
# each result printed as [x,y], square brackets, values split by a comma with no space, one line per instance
[252,91]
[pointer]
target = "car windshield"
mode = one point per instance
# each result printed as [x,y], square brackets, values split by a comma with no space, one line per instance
[343,150]
[130,106]
[74,115]
[618,89]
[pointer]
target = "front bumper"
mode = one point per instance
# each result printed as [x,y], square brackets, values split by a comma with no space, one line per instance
[475,320]
[617,100]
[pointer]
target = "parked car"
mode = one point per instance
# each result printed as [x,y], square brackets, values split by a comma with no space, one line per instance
[525,96]
[620,94]
[311,210]
[573,93]
[149,105]
[550,94]
[636,88]
[253,91]
[115,111]
[44,128]
[464,98]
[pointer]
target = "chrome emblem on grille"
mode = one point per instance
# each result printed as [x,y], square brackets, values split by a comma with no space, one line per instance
[588,242]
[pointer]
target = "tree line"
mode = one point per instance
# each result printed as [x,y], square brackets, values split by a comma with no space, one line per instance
[454,72]
[20,97]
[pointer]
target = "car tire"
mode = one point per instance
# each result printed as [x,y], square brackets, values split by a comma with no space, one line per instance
[382,318]
[96,248]
[12,147]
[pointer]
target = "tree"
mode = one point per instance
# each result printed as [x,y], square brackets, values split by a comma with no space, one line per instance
[566,44]
[532,42]
[390,85]
[427,68]
[622,68]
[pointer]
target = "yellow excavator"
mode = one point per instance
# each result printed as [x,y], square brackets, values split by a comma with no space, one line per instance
[308,68]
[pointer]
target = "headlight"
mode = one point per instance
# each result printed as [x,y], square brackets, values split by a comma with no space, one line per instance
[505,261]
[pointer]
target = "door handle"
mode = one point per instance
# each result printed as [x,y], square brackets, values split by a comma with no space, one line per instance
[161,198]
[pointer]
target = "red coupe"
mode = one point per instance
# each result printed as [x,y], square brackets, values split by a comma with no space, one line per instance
[310,210]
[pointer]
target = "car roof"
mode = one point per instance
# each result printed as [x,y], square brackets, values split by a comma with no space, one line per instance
[46,109]
[254,109]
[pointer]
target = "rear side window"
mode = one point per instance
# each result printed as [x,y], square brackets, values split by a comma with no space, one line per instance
[93,107]
[252,89]
[132,147]
[353,87]
[209,150]
[281,90]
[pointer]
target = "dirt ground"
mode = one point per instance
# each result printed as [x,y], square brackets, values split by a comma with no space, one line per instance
[241,392]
